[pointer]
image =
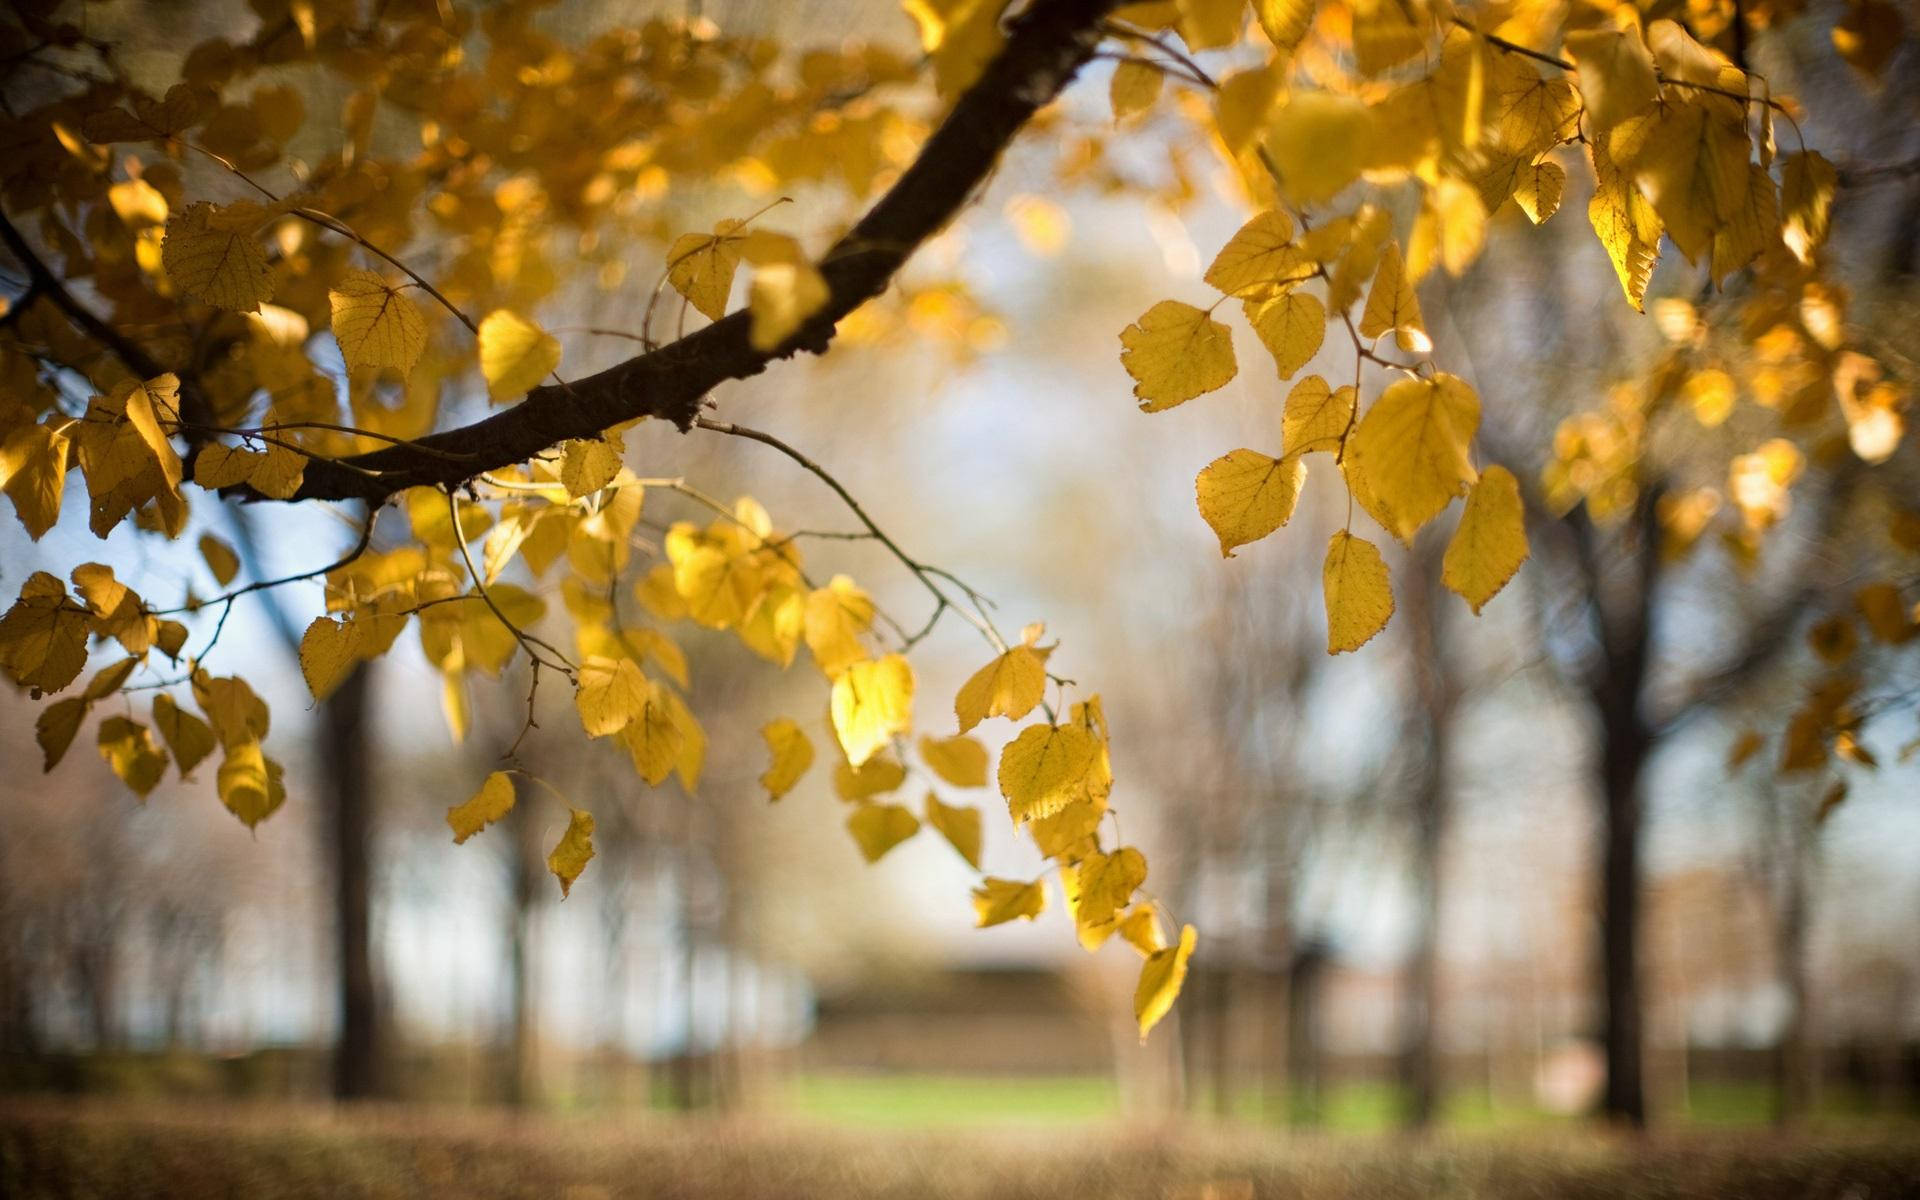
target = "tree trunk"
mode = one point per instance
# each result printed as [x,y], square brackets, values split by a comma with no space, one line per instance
[1435,694]
[521,1086]
[346,777]
[1625,743]
[1793,1059]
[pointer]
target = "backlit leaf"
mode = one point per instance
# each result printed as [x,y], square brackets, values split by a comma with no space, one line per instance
[493,801]
[571,854]
[1174,353]
[1358,594]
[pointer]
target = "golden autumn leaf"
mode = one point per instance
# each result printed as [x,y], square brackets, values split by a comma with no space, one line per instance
[1176,352]
[997,901]
[33,473]
[1009,686]
[1615,74]
[1412,449]
[1245,495]
[43,637]
[872,701]
[874,777]
[187,736]
[571,854]
[701,267]
[1160,979]
[1624,221]
[1692,166]
[1261,255]
[129,749]
[493,801]
[792,753]
[250,783]
[1392,306]
[375,323]
[1491,541]
[1291,326]
[1316,417]
[515,354]
[959,824]
[654,737]
[835,617]
[781,298]
[878,828]
[1285,22]
[213,256]
[611,693]
[1141,929]
[960,760]
[1359,596]
[1133,89]
[1045,769]
[56,727]
[587,465]
[1537,189]
[220,558]
[329,650]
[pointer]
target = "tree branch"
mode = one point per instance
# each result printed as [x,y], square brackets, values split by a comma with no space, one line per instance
[1046,45]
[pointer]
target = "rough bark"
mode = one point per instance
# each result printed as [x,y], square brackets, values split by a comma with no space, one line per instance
[1045,46]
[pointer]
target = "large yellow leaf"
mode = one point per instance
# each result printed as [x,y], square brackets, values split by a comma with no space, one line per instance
[1316,417]
[1285,22]
[43,637]
[1615,75]
[571,854]
[1626,224]
[835,617]
[1103,884]
[1141,929]
[1393,306]
[872,701]
[375,324]
[997,901]
[1411,448]
[1245,495]
[1160,979]
[959,824]
[1358,594]
[1260,255]
[250,783]
[792,754]
[130,751]
[878,828]
[1045,769]
[1291,326]
[878,775]
[1176,352]
[493,801]
[587,465]
[611,694]
[1491,541]
[190,738]
[960,760]
[701,267]
[1692,165]
[1009,686]
[212,255]
[1320,142]
[1807,185]
[515,354]
[56,727]
[33,473]
[654,738]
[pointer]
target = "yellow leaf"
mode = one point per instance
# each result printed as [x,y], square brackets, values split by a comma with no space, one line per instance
[1392,305]
[43,637]
[1867,36]
[1160,979]
[1491,541]
[1358,593]
[960,760]
[56,727]
[1615,75]
[33,473]
[1176,352]
[515,354]
[573,852]
[235,712]
[129,749]
[1807,185]
[493,801]
[375,324]
[190,738]
[1009,686]
[1291,326]
[997,901]
[959,824]
[220,559]
[328,652]
[1316,417]
[1692,166]
[1386,33]
[1320,142]
[878,828]
[1134,88]
[1626,224]
[1211,24]
[781,298]
[874,777]
[1245,495]
[587,465]
[1411,448]
[216,261]
[1537,189]
[961,37]
[653,737]
[612,692]
[701,267]
[792,755]
[872,701]
[1285,22]
[1141,929]
[1045,769]
[250,783]
[1260,255]
[1098,887]
[836,616]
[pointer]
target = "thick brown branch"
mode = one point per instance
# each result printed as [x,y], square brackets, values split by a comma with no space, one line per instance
[1045,46]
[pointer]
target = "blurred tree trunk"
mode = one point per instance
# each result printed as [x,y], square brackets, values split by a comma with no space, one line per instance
[521,1087]
[1793,1054]
[1436,698]
[346,779]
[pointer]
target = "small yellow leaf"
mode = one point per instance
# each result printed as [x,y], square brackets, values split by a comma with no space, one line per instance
[1176,352]
[1160,979]
[960,760]
[959,824]
[1320,141]
[1491,541]
[573,852]
[1392,305]
[1285,22]
[874,777]
[190,738]
[1141,929]
[701,267]
[1615,74]
[129,749]
[1807,186]
[1537,189]
[1009,686]
[878,828]
[329,651]
[33,473]
[1412,448]
[375,324]
[587,465]
[1316,417]
[1244,495]
[250,783]
[493,801]
[653,736]
[1358,593]
[216,261]
[56,727]
[515,354]
[792,754]
[220,559]
[1261,255]
[1291,326]
[781,298]
[997,901]
[612,692]
[836,616]
[1045,769]
[872,701]
[1134,88]
[43,637]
